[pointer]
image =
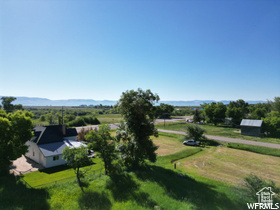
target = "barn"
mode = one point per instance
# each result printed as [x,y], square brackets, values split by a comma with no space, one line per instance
[251,127]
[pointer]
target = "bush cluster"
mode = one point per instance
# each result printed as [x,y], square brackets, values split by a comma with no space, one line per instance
[83,121]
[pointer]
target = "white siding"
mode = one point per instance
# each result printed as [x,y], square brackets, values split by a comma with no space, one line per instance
[34,152]
[51,163]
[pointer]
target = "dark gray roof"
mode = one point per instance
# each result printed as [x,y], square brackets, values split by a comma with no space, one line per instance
[51,134]
[56,148]
[52,149]
[251,123]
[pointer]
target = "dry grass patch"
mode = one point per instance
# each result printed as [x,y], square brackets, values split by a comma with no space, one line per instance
[231,165]
[167,145]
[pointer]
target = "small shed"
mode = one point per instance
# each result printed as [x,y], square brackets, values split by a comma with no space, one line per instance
[251,127]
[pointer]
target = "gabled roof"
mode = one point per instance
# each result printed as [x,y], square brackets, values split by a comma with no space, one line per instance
[56,148]
[51,134]
[251,123]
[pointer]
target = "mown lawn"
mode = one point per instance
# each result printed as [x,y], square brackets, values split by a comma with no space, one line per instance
[216,131]
[168,144]
[59,174]
[231,165]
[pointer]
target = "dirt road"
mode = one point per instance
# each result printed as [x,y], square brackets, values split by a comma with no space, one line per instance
[230,140]
[217,138]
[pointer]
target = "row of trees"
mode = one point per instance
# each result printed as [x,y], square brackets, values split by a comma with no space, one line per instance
[69,119]
[217,112]
[237,110]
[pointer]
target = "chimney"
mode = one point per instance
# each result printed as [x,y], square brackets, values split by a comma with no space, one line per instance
[63,130]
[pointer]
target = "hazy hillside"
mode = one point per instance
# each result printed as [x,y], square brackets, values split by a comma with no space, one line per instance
[27,101]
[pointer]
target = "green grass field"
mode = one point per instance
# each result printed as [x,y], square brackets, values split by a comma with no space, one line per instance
[109,118]
[216,131]
[204,178]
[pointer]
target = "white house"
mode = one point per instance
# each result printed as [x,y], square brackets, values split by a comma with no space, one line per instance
[48,142]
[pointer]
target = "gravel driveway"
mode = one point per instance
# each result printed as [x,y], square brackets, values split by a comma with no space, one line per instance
[24,165]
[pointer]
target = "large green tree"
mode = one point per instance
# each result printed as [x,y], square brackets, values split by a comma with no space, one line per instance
[215,112]
[164,110]
[196,117]
[15,131]
[276,104]
[77,158]
[237,110]
[102,143]
[194,132]
[138,110]
[7,104]
[271,124]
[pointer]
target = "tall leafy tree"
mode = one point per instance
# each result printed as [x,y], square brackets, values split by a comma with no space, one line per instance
[237,110]
[7,104]
[215,112]
[196,117]
[137,108]
[258,114]
[15,131]
[194,132]
[77,158]
[276,104]
[102,143]
[271,124]
[164,110]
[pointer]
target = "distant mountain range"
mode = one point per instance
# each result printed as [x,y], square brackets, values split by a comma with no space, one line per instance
[27,101]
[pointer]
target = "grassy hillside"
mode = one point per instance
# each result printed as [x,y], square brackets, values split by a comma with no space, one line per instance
[204,178]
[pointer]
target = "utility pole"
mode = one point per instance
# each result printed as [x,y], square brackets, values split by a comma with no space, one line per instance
[164,116]
[62,116]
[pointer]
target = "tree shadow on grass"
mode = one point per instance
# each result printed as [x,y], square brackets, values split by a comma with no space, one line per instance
[58,169]
[94,200]
[15,195]
[187,189]
[124,188]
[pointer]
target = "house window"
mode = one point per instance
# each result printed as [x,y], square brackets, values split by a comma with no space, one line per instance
[33,153]
[55,158]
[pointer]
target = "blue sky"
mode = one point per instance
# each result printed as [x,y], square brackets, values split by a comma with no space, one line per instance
[181,50]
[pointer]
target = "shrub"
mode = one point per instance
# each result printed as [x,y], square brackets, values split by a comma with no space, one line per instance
[69,117]
[79,121]
[253,184]
[43,118]
[91,120]
[83,133]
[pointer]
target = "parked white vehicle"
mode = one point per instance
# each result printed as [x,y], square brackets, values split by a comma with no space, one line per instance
[191,142]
